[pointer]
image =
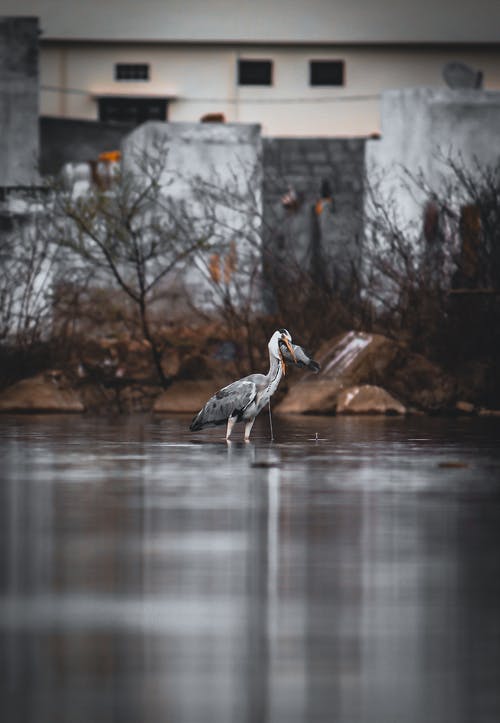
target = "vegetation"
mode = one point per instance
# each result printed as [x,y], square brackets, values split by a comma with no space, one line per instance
[436,281]
[119,251]
[128,234]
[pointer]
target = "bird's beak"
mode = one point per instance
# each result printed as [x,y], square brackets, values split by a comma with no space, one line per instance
[289,347]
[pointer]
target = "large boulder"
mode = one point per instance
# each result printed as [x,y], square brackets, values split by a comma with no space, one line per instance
[187,396]
[47,392]
[368,399]
[356,359]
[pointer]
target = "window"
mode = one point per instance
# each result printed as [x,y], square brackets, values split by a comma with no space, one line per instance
[130,110]
[255,72]
[326,72]
[131,71]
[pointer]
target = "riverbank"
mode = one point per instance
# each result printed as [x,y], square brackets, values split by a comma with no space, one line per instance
[361,373]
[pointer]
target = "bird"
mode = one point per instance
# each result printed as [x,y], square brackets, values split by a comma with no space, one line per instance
[242,400]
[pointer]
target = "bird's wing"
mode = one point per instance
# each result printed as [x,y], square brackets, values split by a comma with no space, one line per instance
[302,358]
[231,401]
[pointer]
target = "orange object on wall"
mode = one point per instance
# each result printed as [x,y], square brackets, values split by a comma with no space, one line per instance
[111,156]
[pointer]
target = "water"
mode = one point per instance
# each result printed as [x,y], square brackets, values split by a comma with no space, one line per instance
[150,574]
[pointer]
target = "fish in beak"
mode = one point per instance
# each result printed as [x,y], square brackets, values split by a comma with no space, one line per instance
[292,353]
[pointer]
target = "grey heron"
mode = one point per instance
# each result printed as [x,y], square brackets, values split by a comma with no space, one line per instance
[242,400]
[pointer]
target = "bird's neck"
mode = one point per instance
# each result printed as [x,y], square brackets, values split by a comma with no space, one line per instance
[275,373]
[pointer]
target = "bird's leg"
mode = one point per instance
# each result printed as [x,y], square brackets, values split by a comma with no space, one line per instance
[230,424]
[270,421]
[248,429]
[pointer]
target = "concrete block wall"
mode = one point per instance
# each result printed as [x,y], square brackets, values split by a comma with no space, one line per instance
[314,238]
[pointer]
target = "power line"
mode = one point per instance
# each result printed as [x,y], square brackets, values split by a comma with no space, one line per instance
[236,101]
[265,101]
[67,91]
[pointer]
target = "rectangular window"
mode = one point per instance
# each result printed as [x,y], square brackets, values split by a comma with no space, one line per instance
[132,111]
[255,72]
[326,72]
[131,71]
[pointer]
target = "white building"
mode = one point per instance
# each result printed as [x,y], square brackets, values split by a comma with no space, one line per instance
[297,67]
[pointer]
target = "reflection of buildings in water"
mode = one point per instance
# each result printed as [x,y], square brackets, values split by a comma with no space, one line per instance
[470,648]
[333,590]
[143,585]
[67,568]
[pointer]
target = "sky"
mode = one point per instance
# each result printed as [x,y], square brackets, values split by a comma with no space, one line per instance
[328,21]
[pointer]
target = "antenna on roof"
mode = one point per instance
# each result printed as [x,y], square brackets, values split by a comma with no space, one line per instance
[458,75]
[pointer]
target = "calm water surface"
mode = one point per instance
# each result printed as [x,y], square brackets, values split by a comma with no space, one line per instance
[149,574]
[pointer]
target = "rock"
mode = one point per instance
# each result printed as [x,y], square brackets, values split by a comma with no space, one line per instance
[489,412]
[47,392]
[316,397]
[368,399]
[187,396]
[358,358]
[342,361]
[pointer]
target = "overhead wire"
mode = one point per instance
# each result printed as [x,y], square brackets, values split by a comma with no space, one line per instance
[236,101]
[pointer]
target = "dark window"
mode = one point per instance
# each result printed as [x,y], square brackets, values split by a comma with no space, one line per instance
[131,71]
[326,72]
[255,72]
[132,111]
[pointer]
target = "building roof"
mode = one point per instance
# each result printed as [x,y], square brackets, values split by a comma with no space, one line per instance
[265,21]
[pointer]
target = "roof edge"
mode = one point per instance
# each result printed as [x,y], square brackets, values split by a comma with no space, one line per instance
[413,44]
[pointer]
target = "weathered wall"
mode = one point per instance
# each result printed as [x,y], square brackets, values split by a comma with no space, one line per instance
[18,101]
[214,172]
[419,126]
[313,234]
[65,140]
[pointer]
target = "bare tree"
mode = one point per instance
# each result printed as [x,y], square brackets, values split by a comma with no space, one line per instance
[436,279]
[27,263]
[129,234]
[231,207]
[467,216]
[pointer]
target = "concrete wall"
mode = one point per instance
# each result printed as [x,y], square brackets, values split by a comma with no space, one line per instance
[65,140]
[18,101]
[227,158]
[314,235]
[419,125]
